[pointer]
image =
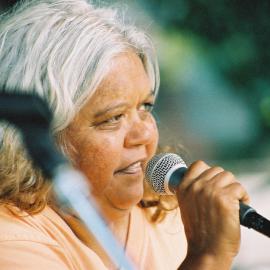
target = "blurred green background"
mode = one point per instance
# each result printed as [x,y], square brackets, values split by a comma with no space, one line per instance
[215,92]
[215,75]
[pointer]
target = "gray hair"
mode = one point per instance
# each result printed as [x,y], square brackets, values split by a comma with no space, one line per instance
[61,51]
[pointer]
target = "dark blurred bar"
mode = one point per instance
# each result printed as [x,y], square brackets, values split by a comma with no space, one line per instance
[6,4]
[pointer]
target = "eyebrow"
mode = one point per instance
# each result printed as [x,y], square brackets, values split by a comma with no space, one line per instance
[117,106]
[110,108]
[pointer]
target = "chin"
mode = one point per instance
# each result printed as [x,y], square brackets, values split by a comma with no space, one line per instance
[128,200]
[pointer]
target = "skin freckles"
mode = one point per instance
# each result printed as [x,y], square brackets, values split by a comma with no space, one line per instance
[115,135]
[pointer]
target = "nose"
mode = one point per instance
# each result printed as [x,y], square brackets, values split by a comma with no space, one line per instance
[141,132]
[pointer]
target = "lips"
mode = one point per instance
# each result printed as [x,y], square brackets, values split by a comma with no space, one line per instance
[133,168]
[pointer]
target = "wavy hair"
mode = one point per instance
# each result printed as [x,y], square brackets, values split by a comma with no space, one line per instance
[59,50]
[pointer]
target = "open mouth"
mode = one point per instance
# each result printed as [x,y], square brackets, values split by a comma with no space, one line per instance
[132,169]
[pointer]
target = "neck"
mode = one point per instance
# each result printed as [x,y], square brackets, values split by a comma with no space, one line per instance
[118,224]
[111,213]
[117,220]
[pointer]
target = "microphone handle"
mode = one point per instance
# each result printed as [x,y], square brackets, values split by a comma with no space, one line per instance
[248,216]
[252,220]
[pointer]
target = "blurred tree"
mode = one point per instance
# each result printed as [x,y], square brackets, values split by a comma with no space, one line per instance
[235,36]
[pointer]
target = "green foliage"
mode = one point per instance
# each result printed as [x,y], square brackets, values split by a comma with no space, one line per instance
[235,37]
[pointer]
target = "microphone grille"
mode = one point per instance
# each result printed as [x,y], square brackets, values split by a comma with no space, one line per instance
[158,167]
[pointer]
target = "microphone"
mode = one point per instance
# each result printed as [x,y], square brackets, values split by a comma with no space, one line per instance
[165,172]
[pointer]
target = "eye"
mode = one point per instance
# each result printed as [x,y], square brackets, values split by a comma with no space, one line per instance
[147,106]
[113,120]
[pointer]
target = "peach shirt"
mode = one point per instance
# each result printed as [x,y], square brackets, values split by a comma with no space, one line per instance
[45,241]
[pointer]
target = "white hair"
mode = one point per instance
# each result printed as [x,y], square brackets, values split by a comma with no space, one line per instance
[61,50]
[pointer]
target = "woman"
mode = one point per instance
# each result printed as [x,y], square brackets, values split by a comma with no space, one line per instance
[100,78]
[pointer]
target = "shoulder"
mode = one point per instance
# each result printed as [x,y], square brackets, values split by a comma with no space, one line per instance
[43,240]
[24,244]
[20,226]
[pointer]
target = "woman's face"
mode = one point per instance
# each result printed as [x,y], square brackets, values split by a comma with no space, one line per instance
[115,134]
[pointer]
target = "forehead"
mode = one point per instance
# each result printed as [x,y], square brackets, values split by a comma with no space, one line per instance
[126,76]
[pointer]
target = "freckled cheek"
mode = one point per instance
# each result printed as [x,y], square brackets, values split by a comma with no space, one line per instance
[98,163]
